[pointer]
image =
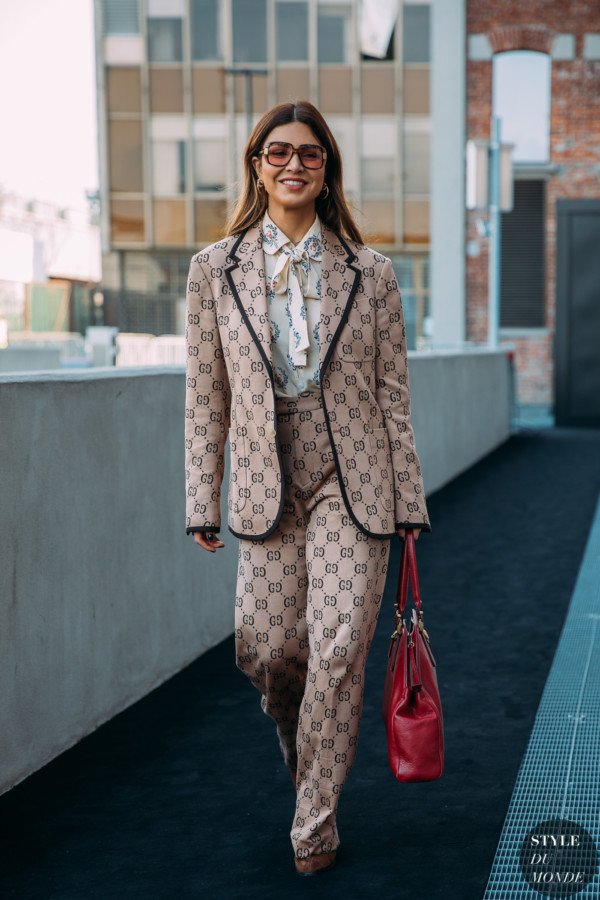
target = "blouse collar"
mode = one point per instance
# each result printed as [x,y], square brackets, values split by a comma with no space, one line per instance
[274,238]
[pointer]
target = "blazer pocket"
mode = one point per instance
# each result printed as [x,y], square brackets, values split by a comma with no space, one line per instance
[238,468]
[358,362]
[380,447]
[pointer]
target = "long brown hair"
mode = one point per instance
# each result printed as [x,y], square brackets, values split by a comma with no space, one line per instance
[333,210]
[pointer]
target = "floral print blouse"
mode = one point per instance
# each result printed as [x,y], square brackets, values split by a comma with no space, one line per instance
[293,284]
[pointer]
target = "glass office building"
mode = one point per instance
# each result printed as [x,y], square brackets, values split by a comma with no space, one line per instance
[180,84]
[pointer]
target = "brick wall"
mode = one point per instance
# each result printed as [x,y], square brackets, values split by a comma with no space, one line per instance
[574,148]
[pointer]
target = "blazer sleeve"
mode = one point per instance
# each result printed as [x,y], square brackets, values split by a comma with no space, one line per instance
[393,397]
[207,405]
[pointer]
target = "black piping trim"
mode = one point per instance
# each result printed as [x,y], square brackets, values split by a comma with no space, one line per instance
[344,317]
[269,368]
[422,525]
[231,253]
[349,260]
[258,537]
[203,528]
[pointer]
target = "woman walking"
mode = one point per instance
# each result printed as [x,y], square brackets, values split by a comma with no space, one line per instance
[297,353]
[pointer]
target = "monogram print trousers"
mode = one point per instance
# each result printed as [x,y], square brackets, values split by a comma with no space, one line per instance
[307,603]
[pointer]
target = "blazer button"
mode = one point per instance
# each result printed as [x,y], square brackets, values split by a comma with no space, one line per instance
[271,431]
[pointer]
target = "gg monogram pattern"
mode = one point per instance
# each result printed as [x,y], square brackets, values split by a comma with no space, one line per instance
[363,378]
[307,602]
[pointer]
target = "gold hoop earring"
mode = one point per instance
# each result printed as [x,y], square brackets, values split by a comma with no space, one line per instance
[324,196]
[259,183]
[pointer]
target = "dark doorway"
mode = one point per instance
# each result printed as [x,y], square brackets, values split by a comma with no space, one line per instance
[522,302]
[577,338]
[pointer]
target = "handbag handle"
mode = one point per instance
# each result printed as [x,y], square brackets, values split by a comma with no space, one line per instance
[408,571]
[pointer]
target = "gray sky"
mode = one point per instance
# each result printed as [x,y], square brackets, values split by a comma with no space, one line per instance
[47,100]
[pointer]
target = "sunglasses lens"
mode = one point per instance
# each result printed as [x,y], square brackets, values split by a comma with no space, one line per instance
[280,155]
[312,157]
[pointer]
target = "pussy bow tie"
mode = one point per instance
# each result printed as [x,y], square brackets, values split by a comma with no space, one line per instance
[291,277]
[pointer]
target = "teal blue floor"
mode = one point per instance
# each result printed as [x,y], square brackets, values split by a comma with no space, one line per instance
[559,777]
[529,415]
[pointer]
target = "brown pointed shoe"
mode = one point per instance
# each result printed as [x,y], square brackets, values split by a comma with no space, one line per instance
[318,862]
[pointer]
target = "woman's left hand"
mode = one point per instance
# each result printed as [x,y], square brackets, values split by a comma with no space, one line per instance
[416,532]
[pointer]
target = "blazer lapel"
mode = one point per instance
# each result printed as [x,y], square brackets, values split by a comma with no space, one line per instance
[339,283]
[246,278]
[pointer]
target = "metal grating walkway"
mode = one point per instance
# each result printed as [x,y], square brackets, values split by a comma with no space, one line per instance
[559,776]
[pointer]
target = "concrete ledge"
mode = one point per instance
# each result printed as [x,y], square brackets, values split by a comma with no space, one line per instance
[103,595]
[460,409]
[95,374]
[13,359]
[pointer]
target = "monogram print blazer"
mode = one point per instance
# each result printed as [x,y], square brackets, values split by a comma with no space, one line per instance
[363,379]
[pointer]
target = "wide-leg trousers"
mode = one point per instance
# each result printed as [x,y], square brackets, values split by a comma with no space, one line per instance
[307,602]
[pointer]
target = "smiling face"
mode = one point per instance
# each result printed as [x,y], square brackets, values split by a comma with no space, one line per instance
[291,186]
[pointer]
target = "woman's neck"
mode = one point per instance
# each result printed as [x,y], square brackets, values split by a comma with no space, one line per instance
[293,222]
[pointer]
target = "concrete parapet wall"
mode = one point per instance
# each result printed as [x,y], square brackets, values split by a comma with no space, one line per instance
[102,594]
[23,358]
[460,409]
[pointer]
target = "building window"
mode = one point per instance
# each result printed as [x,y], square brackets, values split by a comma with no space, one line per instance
[210,163]
[208,90]
[123,89]
[127,220]
[378,176]
[166,90]
[416,33]
[249,30]
[522,275]
[344,130]
[165,40]
[169,222]
[378,89]
[292,81]
[524,74]
[334,32]
[292,30]
[155,273]
[416,162]
[416,90]
[379,147]
[210,217]
[416,220]
[335,89]
[206,43]
[121,17]
[168,168]
[412,274]
[125,162]
[378,221]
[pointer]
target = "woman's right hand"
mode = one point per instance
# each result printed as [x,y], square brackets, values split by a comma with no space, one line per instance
[203,539]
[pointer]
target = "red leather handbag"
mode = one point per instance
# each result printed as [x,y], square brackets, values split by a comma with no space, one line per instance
[412,709]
